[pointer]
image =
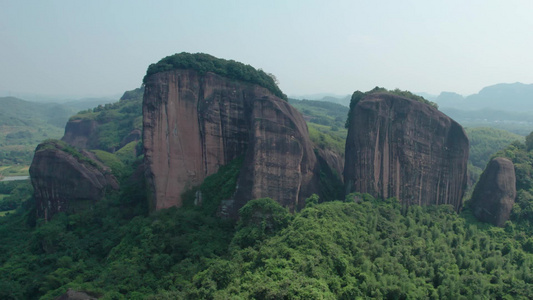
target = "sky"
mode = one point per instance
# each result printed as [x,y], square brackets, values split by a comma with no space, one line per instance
[98,48]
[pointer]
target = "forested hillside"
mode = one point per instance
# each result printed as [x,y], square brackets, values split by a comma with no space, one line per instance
[358,247]
[325,122]
[24,124]
[113,122]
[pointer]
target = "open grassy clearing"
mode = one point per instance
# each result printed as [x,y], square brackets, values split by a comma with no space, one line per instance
[3,213]
[14,170]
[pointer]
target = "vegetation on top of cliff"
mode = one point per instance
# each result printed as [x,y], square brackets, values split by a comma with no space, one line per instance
[204,63]
[60,145]
[358,95]
[115,121]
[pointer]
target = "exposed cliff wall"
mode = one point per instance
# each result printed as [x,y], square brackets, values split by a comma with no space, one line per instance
[495,192]
[195,123]
[397,147]
[66,180]
[80,133]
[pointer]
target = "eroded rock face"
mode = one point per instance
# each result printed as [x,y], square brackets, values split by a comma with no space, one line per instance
[495,192]
[62,182]
[397,147]
[195,123]
[80,133]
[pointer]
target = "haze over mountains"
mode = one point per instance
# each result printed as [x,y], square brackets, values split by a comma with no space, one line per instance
[506,106]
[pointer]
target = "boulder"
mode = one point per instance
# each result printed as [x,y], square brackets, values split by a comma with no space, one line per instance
[495,192]
[65,180]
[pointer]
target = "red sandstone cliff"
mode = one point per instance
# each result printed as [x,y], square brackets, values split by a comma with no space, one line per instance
[397,147]
[66,182]
[195,123]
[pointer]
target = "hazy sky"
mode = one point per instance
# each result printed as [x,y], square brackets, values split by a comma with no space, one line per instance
[89,48]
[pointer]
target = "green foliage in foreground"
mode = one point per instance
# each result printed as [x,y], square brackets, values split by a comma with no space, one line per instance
[334,250]
[204,63]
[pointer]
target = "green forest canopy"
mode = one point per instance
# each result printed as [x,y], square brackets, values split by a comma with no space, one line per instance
[204,63]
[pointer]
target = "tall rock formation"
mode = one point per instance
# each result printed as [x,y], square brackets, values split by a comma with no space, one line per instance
[398,147]
[495,192]
[81,133]
[196,122]
[64,179]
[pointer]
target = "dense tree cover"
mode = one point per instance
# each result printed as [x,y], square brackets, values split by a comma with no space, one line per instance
[115,121]
[358,95]
[13,194]
[204,63]
[325,122]
[484,142]
[359,248]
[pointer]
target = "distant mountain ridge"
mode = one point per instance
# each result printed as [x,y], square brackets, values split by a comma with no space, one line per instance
[502,96]
[342,100]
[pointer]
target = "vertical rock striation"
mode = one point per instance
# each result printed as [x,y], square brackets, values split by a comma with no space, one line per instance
[80,133]
[194,123]
[64,180]
[398,147]
[495,192]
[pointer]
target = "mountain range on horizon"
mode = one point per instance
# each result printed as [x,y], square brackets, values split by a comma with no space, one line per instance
[516,97]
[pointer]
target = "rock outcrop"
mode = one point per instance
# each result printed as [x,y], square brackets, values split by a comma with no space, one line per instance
[64,179]
[107,127]
[495,192]
[195,123]
[398,147]
[80,133]
[76,295]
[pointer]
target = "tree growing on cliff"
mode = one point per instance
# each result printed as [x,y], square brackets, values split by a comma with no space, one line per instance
[204,63]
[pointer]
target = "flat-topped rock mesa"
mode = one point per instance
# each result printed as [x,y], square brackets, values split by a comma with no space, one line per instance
[494,195]
[399,147]
[65,180]
[194,122]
